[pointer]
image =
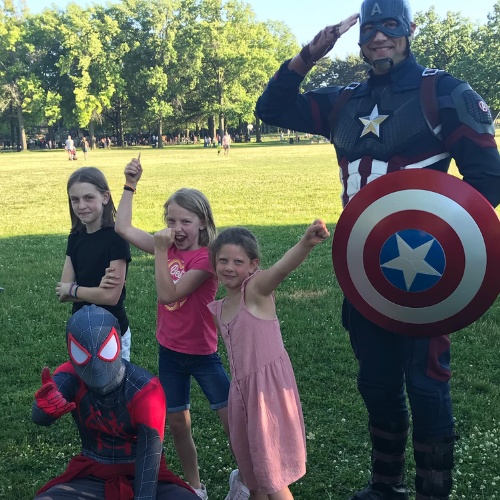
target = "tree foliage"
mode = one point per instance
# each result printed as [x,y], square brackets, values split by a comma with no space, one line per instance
[330,72]
[483,66]
[183,65]
[466,50]
[442,43]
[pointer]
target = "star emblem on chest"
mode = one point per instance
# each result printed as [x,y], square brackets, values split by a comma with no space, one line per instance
[372,122]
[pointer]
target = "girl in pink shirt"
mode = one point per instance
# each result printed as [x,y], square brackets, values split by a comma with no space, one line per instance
[185,284]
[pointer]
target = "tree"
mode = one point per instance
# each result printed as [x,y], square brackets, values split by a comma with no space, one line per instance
[13,71]
[146,67]
[443,43]
[106,70]
[89,60]
[467,51]
[274,43]
[330,72]
[239,57]
[41,32]
[185,69]
[482,68]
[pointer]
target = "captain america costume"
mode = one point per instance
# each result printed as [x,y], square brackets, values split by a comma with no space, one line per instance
[378,127]
[119,410]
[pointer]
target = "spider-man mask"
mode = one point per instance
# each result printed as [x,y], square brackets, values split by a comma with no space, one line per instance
[93,336]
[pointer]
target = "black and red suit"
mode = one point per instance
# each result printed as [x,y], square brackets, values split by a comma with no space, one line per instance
[119,409]
[383,127]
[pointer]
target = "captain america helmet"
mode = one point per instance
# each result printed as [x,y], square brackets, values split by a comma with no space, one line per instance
[391,17]
[94,346]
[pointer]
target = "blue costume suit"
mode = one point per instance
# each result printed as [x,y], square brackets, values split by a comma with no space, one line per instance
[381,128]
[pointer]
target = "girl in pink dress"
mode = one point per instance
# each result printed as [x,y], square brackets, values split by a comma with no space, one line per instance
[266,426]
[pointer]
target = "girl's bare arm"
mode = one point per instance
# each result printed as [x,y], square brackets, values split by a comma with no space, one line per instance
[108,296]
[265,282]
[123,223]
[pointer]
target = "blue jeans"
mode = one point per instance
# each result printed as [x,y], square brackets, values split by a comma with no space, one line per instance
[175,370]
[389,362]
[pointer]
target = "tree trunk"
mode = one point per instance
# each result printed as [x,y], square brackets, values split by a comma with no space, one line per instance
[51,135]
[211,126]
[222,125]
[92,134]
[22,145]
[13,134]
[258,136]
[119,124]
[160,133]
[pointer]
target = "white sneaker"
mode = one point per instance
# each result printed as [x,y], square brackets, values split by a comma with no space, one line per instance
[237,490]
[201,492]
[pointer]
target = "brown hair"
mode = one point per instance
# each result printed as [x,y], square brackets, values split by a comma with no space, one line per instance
[239,236]
[94,176]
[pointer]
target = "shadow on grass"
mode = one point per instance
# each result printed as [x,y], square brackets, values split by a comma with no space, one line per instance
[34,320]
[32,335]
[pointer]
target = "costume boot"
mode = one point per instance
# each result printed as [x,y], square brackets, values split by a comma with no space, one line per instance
[434,463]
[388,462]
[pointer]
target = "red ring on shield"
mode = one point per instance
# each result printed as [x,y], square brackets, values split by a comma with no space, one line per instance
[452,212]
[455,258]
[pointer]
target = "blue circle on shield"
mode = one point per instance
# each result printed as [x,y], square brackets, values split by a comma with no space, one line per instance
[412,260]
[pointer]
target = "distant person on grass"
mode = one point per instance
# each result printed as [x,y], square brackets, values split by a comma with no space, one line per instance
[93,246]
[119,410]
[85,147]
[377,127]
[266,426]
[185,284]
[69,146]
[226,143]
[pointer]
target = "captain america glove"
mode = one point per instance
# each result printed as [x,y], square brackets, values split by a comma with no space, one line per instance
[322,43]
[49,399]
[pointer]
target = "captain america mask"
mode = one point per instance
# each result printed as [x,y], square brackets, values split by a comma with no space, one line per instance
[389,27]
[391,17]
[93,338]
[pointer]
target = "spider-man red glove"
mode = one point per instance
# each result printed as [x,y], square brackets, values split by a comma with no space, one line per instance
[49,399]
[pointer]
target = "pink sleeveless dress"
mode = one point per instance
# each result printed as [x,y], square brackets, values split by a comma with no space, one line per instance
[265,415]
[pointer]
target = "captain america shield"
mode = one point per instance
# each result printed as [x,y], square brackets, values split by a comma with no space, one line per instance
[417,252]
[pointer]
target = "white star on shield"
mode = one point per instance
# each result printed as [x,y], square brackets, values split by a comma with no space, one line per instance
[411,261]
[372,122]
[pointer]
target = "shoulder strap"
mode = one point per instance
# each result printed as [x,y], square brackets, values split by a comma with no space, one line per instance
[428,98]
[343,98]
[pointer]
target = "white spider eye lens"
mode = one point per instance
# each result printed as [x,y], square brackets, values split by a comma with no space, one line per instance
[78,354]
[110,347]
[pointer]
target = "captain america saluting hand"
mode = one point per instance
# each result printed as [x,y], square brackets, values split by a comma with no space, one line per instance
[382,125]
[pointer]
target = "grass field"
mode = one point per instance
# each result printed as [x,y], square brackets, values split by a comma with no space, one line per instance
[275,190]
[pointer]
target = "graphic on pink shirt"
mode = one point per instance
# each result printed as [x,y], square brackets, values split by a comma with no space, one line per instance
[177,269]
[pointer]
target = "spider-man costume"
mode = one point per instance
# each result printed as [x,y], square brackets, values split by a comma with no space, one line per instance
[120,411]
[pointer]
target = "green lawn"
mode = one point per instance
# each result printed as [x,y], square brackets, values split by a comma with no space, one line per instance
[275,190]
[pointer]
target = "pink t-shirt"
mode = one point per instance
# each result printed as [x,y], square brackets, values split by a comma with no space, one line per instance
[187,326]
